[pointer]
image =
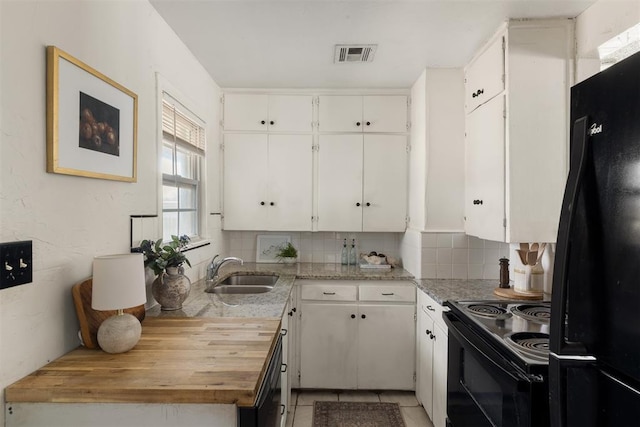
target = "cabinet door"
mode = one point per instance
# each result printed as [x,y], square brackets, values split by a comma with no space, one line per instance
[424,346]
[484,78]
[440,349]
[290,113]
[340,183]
[290,182]
[385,183]
[384,113]
[245,181]
[245,111]
[485,169]
[340,113]
[328,349]
[386,347]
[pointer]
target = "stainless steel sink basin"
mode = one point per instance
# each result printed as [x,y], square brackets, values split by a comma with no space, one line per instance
[245,284]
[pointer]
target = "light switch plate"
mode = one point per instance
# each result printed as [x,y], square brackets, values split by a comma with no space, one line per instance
[15,263]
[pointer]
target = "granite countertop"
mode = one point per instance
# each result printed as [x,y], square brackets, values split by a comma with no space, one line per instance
[442,290]
[269,304]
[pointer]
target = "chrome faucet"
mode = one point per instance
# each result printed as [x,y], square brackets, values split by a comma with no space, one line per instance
[214,266]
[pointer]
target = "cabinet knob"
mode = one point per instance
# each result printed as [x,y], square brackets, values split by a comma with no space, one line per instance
[477,93]
[357,123]
[368,204]
[368,123]
[261,203]
[477,202]
[290,313]
[428,332]
[358,204]
[262,122]
[272,203]
[364,316]
[294,309]
[272,122]
[433,337]
[353,316]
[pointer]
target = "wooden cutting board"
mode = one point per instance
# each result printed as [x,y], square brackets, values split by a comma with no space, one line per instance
[90,319]
[511,294]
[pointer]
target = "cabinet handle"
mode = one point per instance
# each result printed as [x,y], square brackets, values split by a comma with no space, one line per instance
[358,204]
[283,332]
[368,204]
[390,293]
[364,316]
[283,409]
[368,123]
[272,123]
[329,293]
[262,122]
[353,316]
[357,123]
[283,368]
[477,202]
[430,308]
[261,203]
[272,203]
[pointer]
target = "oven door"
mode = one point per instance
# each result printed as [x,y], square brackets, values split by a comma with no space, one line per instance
[485,389]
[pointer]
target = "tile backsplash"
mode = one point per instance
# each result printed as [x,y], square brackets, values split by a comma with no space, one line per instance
[437,255]
[458,256]
[322,247]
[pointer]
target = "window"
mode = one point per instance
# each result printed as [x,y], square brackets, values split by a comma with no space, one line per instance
[183,144]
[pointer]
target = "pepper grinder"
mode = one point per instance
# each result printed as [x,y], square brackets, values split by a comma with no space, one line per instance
[504,272]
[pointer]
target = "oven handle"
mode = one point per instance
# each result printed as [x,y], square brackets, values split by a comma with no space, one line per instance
[456,327]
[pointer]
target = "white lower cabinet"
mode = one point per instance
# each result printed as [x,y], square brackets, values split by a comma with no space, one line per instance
[431,357]
[355,335]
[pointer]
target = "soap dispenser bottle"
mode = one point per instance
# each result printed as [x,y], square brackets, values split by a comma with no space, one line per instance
[352,253]
[345,253]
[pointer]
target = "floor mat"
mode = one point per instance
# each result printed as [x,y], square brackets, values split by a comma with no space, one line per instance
[356,414]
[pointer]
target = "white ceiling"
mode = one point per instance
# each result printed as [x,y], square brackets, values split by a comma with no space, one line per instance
[289,44]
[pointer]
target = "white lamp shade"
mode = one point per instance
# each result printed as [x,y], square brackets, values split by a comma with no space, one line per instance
[118,282]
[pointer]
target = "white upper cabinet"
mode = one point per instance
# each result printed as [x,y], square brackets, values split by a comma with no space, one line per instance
[362,182]
[368,113]
[272,113]
[267,182]
[485,77]
[517,136]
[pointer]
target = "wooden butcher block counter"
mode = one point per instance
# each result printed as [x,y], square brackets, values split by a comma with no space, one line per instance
[178,360]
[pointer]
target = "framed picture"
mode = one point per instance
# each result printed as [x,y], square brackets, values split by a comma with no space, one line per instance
[268,245]
[92,121]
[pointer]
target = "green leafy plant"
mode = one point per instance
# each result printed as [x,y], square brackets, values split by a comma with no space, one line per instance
[287,251]
[159,257]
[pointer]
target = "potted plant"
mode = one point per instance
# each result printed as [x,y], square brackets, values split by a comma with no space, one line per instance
[287,253]
[171,287]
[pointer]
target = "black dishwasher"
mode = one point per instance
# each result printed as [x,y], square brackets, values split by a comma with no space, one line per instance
[267,411]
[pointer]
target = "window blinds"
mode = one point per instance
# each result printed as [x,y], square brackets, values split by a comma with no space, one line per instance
[182,127]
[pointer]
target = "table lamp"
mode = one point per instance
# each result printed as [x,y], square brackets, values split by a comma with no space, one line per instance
[118,283]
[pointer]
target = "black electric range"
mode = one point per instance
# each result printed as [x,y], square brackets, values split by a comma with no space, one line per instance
[498,363]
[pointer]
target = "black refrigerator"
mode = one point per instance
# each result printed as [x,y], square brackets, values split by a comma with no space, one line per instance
[594,363]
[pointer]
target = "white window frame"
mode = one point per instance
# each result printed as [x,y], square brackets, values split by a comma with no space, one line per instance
[167,92]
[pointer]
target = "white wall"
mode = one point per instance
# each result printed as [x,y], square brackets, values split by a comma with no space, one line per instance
[72,219]
[604,20]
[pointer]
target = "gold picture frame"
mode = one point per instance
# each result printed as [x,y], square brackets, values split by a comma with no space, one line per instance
[92,121]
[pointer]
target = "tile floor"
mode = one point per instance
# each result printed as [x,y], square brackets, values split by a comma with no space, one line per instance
[302,402]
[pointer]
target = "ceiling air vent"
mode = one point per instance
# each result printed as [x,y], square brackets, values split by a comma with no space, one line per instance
[354,53]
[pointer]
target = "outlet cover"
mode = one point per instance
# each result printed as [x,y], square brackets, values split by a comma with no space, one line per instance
[15,263]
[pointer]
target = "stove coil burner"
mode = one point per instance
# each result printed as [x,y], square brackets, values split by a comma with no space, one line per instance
[536,313]
[488,310]
[533,344]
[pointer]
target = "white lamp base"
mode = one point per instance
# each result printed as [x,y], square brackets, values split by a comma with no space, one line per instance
[119,333]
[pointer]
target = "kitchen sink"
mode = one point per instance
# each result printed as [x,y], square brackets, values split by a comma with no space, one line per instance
[245,284]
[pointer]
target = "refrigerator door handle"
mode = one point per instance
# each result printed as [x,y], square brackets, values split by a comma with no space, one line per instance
[579,156]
